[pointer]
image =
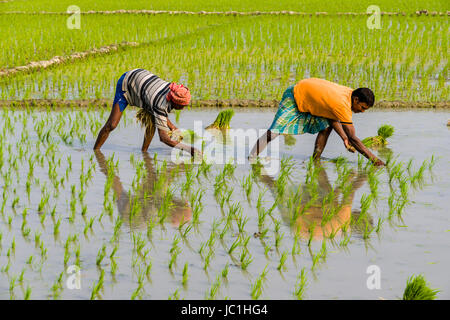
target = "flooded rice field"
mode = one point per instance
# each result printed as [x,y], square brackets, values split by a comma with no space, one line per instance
[121,224]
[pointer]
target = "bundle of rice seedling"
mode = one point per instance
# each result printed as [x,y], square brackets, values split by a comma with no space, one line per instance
[418,289]
[145,118]
[223,120]
[384,132]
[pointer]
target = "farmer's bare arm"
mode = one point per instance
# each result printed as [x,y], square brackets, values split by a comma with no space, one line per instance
[336,125]
[355,142]
[164,138]
[109,126]
[171,125]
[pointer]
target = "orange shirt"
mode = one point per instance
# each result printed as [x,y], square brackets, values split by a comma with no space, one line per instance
[324,99]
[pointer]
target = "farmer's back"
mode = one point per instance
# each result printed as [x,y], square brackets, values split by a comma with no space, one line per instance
[146,90]
[323,98]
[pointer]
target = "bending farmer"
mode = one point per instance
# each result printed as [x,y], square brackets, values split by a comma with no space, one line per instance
[318,106]
[156,98]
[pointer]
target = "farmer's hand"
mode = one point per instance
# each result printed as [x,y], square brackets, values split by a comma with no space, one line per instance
[176,135]
[348,146]
[378,163]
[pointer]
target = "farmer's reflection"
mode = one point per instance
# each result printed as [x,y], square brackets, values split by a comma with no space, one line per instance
[149,202]
[318,212]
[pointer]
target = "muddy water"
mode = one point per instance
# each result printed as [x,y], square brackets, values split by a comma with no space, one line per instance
[417,243]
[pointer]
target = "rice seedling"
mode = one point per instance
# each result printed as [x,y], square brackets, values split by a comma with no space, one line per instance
[234,245]
[281,264]
[366,201]
[212,292]
[367,230]
[286,167]
[245,259]
[374,182]
[100,255]
[97,286]
[30,260]
[208,258]
[379,224]
[175,295]
[12,284]
[212,237]
[6,268]
[417,288]
[278,238]
[21,276]
[247,184]
[185,274]
[56,227]
[241,222]
[417,178]
[299,289]
[25,230]
[257,286]
[204,168]
[431,163]
[77,256]
[222,121]
[225,271]
[186,231]
[27,294]
[384,132]
[57,287]
[224,231]
[202,248]
[138,292]
[174,251]
[409,166]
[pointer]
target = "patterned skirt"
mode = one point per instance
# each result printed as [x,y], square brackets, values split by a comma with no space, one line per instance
[289,120]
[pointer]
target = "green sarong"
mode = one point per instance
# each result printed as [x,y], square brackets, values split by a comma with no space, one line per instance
[289,120]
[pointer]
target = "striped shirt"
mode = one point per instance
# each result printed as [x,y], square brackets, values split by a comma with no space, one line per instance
[146,90]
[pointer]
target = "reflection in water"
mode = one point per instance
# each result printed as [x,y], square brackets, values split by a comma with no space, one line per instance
[151,196]
[385,153]
[315,210]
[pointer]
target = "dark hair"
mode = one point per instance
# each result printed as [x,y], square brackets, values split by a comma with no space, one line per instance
[364,95]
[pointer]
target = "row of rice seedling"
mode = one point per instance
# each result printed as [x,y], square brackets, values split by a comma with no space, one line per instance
[258,57]
[233,5]
[35,40]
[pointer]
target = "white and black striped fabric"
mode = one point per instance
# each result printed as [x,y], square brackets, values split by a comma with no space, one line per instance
[145,90]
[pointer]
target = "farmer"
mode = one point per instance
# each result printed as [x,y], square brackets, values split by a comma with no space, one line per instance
[156,98]
[318,106]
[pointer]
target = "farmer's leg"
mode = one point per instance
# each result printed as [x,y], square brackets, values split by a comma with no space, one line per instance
[119,104]
[262,142]
[321,142]
[109,126]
